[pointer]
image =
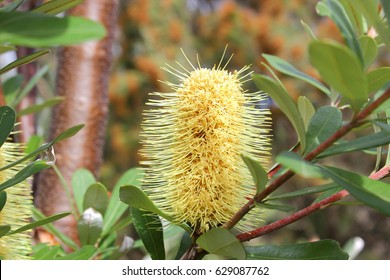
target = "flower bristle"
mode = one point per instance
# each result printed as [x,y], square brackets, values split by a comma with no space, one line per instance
[17,210]
[193,139]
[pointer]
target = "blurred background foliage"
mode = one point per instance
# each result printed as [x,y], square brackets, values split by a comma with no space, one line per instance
[152,33]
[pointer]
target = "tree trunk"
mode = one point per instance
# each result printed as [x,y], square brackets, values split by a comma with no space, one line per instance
[83,81]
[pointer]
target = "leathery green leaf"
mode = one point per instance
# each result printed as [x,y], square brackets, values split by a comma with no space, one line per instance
[341,69]
[220,241]
[373,193]
[325,122]
[260,176]
[149,229]
[306,109]
[319,250]
[7,123]
[96,197]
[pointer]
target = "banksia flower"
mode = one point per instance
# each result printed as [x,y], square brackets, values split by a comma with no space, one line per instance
[193,139]
[17,210]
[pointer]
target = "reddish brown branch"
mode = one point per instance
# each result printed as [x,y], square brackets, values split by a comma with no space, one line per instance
[382,173]
[292,218]
[274,185]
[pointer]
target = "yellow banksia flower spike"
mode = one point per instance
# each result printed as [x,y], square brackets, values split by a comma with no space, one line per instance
[193,139]
[17,210]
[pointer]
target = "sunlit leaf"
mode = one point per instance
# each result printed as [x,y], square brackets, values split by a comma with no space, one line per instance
[137,198]
[298,165]
[40,30]
[319,250]
[340,68]
[222,242]
[46,252]
[149,229]
[7,123]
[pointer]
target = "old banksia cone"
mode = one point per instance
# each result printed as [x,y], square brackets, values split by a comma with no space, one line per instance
[17,210]
[193,139]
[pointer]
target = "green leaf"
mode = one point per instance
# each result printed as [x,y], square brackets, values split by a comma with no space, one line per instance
[39,30]
[56,6]
[279,94]
[7,123]
[31,169]
[386,9]
[378,78]
[12,6]
[319,250]
[220,241]
[308,30]
[90,226]
[375,194]
[53,230]
[288,69]
[369,9]
[369,49]
[306,109]
[325,122]
[11,87]
[33,143]
[29,86]
[21,61]
[279,207]
[340,17]
[328,193]
[39,107]
[62,136]
[185,243]
[41,222]
[137,198]
[4,230]
[298,165]
[260,176]
[3,199]
[354,16]
[46,252]
[149,229]
[340,68]
[84,253]
[116,207]
[4,49]
[362,143]
[96,197]
[81,180]
[304,191]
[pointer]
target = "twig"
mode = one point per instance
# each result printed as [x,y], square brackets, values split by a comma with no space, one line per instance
[380,174]
[355,122]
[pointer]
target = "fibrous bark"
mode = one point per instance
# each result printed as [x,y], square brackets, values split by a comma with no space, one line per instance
[83,81]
